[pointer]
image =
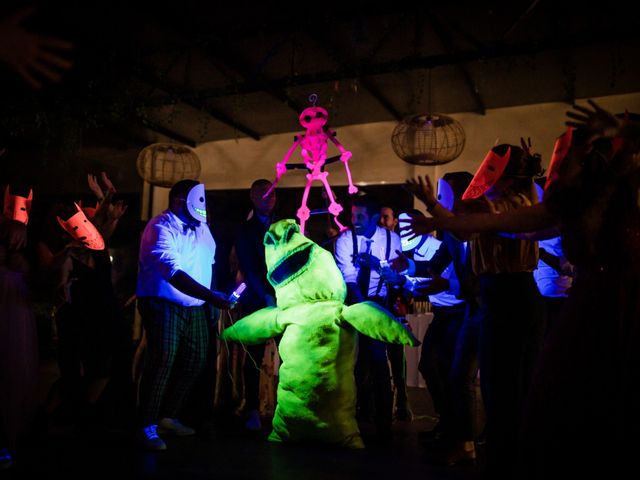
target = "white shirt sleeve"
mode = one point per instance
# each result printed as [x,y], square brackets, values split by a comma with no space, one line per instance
[396,246]
[344,257]
[163,250]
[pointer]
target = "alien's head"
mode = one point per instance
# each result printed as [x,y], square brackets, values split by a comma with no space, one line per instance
[300,270]
[313,118]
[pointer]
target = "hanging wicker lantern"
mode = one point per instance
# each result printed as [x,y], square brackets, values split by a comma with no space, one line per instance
[428,139]
[164,164]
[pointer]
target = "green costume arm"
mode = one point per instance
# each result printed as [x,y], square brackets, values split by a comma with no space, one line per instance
[257,328]
[375,322]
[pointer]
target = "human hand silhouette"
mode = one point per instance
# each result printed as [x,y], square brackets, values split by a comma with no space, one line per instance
[33,56]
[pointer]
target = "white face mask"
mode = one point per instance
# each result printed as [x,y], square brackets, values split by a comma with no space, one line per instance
[445,194]
[197,203]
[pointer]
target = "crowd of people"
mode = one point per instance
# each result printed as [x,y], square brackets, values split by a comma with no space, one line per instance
[534,285]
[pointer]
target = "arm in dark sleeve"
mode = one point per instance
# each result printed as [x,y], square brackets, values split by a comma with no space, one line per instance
[353,294]
[440,260]
[251,265]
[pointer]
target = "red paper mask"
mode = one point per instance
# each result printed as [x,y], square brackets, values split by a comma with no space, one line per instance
[560,150]
[83,230]
[17,207]
[90,212]
[488,173]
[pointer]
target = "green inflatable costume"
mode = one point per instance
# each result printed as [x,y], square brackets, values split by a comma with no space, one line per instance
[316,389]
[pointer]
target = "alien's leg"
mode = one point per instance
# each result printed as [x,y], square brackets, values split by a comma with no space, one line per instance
[341,227]
[352,188]
[334,208]
[303,212]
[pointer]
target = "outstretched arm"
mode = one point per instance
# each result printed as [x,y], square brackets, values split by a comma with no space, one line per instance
[256,328]
[538,235]
[375,322]
[526,219]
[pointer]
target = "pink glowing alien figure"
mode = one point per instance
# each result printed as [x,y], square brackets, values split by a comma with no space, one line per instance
[313,144]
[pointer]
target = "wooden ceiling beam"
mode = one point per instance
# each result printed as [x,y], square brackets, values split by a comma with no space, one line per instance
[167,132]
[578,40]
[448,44]
[197,103]
[366,83]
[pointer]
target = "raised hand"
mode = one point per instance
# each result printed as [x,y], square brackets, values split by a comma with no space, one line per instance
[597,120]
[107,183]
[29,54]
[400,263]
[417,225]
[97,190]
[116,210]
[95,187]
[423,190]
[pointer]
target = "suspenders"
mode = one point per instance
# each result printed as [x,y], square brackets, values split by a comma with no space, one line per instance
[387,254]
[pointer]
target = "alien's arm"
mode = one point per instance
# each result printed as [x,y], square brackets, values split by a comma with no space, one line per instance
[297,141]
[256,328]
[281,166]
[375,322]
[345,155]
[332,136]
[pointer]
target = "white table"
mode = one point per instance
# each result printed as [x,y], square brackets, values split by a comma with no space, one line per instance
[419,324]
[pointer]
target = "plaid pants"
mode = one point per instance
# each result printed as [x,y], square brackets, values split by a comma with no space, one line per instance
[177,341]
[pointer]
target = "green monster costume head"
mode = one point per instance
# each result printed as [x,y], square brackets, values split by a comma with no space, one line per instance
[316,390]
[299,270]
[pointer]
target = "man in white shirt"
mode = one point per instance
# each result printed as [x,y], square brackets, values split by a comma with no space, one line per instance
[175,274]
[358,260]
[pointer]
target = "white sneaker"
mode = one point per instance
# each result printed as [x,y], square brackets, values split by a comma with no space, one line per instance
[174,427]
[253,422]
[149,439]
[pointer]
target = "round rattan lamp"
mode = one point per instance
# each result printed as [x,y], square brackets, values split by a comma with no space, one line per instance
[163,164]
[428,139]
